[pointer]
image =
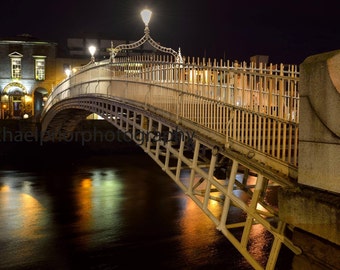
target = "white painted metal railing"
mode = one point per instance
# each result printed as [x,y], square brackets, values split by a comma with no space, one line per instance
[257,106]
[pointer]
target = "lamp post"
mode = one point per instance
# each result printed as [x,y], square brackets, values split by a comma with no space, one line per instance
[146,16]
[67,72]
[92,50]
[3,108]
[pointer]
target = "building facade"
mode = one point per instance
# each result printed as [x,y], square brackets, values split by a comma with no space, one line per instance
[31,68]
[27,68]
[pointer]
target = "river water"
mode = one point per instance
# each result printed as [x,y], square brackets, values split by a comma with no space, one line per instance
[118,211]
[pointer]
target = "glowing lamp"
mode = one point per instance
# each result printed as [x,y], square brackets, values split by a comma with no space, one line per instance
[146,16]
[92,50]
[67,72]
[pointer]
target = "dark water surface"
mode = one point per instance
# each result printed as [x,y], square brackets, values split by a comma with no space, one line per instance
[105,212]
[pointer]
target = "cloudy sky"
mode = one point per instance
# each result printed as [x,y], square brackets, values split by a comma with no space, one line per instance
[287,31]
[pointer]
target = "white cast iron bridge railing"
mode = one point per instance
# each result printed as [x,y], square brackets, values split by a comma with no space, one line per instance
[253,108]
[244,114]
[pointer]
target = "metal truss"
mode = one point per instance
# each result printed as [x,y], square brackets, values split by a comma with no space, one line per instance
[217,181]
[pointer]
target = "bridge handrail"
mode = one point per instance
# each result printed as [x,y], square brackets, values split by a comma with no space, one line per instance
[205,93]
[272,89]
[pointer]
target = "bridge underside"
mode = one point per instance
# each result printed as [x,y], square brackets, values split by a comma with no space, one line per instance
[63,124]
[218,180]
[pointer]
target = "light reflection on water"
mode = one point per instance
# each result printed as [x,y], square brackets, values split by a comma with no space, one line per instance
[21,218]
[97,202]
[260,239]
[102,211]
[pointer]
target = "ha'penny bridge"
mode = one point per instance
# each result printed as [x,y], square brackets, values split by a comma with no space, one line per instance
[229,135]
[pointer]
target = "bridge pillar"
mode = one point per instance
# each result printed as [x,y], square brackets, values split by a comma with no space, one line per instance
[313,208]
[319,136]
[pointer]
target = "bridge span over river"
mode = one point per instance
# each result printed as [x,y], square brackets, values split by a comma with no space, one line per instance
[196,118]
[230,135]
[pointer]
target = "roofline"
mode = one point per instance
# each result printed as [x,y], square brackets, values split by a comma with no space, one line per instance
[5,41]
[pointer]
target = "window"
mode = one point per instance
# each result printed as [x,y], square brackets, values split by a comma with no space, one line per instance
[16,68]
[39,69]
[16,64]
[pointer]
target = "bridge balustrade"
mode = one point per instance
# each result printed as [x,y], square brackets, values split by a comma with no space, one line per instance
[252,105]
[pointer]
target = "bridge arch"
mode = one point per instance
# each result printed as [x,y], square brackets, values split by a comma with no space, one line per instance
[63,118]
[190,130]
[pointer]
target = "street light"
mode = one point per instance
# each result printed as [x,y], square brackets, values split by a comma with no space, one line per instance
[92,50]
[67,72]
[146,16]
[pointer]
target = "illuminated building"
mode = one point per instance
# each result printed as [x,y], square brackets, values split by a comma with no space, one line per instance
[29,69]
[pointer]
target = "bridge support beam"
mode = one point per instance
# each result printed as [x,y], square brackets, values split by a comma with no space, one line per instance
[313,207]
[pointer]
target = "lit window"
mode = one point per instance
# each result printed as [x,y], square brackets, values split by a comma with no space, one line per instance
[16,68]
[40,69]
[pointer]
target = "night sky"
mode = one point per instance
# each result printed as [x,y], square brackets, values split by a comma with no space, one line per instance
[287,31]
